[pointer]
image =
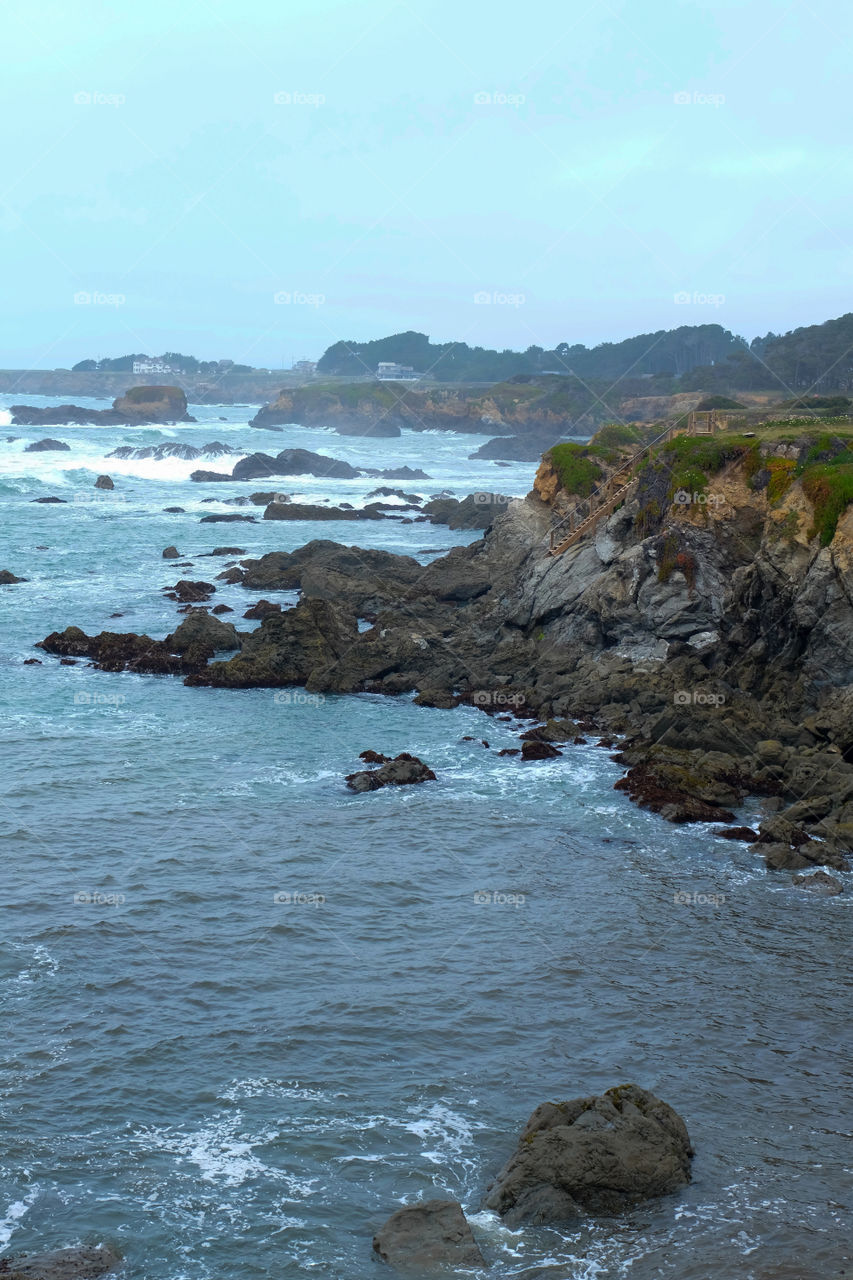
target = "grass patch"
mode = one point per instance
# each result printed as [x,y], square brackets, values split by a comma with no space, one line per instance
[829,488]
[577,472]
[694,459]
[781,478]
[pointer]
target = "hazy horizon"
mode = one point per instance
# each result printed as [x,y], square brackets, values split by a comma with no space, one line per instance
[475,175]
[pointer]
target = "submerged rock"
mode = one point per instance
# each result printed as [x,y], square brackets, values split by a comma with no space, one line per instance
[404,770]
[820,882]
[599,1154]
[428,1238]
[61,1264]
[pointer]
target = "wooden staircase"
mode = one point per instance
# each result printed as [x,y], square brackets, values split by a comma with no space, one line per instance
[615,490]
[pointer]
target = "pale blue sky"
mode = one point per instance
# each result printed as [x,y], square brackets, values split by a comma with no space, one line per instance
[626,153]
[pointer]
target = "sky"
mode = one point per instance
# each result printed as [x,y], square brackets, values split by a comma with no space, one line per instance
[257,179]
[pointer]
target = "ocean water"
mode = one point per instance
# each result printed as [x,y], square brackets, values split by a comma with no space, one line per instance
[249,1014]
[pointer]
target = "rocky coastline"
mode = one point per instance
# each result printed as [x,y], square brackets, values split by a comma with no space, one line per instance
[714,648]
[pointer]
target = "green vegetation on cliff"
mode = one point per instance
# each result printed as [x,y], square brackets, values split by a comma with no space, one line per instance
[577,472]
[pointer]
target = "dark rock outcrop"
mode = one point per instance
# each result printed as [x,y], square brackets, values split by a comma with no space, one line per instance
[527,448]
[535,750]
[189,592]
[104,482]
[171,553]
[286,649]
[477,511]
[47,446]
[8,579]
[292,462]
[404,770]
[262,609]
[307,511]
[430,1238]
[139,405]
[228,517]
[199,628]
[594,1155]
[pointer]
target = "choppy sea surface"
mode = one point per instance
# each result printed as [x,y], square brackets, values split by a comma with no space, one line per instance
[249,1014]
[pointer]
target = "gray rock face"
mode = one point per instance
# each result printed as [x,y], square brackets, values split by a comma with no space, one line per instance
[428,1238]
[171,553]
[593,1155]
[61,1264]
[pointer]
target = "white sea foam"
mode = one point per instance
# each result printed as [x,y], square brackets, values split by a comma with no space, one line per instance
[13,1215]
[223,1154]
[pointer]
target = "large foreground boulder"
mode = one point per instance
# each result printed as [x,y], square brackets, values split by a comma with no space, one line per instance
[593,1155]
[61,1264]
[431,1237]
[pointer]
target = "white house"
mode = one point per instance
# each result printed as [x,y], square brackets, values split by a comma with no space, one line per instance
[387,370]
